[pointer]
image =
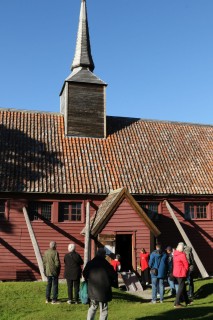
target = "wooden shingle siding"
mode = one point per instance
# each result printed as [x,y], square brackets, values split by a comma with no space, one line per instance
[83,56]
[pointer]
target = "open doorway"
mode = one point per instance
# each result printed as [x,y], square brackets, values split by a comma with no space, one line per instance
[124,248]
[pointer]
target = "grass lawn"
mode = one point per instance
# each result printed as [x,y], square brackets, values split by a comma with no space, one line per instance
[26,301]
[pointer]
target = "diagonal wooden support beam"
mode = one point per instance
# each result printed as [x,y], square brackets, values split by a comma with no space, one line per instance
[35,245]
[87,235]
[199,264]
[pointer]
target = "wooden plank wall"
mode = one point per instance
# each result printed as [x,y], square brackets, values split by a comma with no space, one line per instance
[16,249]
[15,245]
[200,233]
[86,110]
[17,252]
[125,219]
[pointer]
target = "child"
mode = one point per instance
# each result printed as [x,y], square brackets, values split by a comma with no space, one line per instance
[117,266]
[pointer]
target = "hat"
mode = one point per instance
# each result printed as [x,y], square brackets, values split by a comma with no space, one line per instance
[169,248]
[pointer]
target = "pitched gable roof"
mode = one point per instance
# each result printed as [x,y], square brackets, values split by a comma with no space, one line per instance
[110,204]
[146,157]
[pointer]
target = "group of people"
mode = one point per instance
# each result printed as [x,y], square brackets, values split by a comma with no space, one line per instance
[72,272]
[174,265]
[99,274]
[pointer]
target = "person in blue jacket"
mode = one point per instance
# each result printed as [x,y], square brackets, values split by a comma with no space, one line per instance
[158,260]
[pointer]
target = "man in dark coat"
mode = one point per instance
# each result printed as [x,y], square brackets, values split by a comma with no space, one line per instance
[100,276]
[52,267]
[190,275]
[72,272]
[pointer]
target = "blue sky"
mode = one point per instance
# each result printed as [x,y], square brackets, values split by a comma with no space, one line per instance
[155,55]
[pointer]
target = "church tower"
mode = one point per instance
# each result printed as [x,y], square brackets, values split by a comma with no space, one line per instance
[82,98]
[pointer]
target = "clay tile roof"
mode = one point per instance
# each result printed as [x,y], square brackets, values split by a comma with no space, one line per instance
[146,157]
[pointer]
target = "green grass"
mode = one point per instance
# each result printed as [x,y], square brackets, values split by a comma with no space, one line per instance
[26,301]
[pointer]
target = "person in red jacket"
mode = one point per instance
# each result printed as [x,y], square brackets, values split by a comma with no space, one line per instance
[117,267]
[144,265]
[180,269]
[116,263]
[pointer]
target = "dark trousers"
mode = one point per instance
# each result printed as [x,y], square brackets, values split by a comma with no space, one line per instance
[181,291]
[70,285]
[145,275]
[52,282]
[190,283]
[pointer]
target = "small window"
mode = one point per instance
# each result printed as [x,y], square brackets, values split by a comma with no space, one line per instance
[2,210]
[70,211]
[195,211]
[151,209]
[37,209]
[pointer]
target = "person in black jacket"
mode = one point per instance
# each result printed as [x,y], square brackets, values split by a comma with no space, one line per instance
[72,272]
[100,276]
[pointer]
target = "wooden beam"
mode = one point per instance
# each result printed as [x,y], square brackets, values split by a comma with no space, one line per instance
[199,264]
[35,245]
[87,235]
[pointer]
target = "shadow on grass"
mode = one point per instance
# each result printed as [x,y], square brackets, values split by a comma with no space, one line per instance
[118,295]
[204,291]
[204,313]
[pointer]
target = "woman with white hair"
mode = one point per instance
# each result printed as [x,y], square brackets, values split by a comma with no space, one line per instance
[72,272]
[180,269]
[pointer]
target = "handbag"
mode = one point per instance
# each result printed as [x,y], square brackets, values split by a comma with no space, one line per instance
[154,271]
[83,293]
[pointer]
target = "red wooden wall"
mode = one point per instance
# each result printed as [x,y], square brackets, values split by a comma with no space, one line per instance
[126,220]
[17,258]
[200,232]
[16,250]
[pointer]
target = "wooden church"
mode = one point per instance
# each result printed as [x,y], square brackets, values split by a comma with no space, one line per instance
[134,181]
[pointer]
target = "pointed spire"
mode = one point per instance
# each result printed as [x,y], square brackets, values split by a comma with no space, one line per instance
[83,56]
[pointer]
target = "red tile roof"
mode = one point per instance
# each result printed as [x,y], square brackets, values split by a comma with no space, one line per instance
[146,157]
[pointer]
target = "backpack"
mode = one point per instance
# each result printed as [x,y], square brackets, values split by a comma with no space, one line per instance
[83,293]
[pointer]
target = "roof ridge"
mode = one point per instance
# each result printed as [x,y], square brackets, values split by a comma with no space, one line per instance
[162,121]
[30,111]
